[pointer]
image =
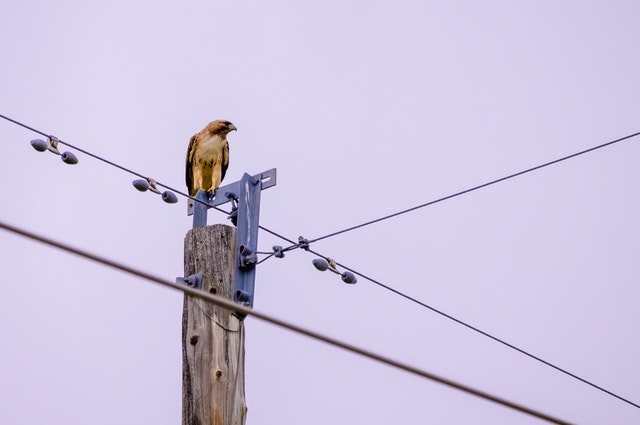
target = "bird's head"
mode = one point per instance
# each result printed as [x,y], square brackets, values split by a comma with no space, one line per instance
[220,127]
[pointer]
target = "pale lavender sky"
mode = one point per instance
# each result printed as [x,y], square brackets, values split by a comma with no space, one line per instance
[365,108]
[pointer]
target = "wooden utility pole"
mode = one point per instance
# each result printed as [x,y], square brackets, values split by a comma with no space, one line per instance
[212,338]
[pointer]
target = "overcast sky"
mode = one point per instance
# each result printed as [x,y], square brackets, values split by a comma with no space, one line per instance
[365,108]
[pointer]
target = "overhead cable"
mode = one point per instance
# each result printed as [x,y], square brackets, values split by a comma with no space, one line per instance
[488,335]
[130,171]
[472,189]
[231,306]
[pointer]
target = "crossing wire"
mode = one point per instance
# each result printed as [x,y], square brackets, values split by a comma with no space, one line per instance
[304,243]
[231,306]
[473,189]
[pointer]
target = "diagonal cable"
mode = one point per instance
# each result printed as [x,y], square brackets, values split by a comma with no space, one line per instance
[488,335]
[472,189]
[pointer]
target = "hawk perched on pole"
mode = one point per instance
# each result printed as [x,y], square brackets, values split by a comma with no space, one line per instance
[208,157]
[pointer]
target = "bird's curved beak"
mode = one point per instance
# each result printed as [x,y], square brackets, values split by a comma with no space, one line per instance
[232,128]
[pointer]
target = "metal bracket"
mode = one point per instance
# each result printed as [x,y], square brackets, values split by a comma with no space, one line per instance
[193,281]
[248,258]
[223,195]
[247,237]
[244,193]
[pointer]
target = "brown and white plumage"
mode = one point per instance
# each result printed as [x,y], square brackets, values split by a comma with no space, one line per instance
[208,157]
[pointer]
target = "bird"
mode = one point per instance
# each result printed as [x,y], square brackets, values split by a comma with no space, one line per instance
[208,157]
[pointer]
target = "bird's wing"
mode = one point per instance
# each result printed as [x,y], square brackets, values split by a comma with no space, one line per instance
[225,160]
[189,166]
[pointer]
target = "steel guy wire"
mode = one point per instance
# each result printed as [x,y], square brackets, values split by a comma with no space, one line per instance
[232,306]
[472,189]
[304,243]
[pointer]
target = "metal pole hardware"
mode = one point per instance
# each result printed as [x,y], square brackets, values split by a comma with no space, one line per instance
[246,195]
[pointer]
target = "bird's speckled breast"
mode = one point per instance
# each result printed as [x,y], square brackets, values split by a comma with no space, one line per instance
[210,148]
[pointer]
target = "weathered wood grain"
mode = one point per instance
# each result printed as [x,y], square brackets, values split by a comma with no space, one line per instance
[212,338]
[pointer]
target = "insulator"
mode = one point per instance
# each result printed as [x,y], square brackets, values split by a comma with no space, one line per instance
[69,158]
[141,184]
[39,145]
[320,264]
[169,197]
[348,277]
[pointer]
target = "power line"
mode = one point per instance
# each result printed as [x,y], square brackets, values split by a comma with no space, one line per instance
[106,161]
[472,189]
[488,335]
[460,322]
[229,305]
[132,172]
[304,243]
[456,320]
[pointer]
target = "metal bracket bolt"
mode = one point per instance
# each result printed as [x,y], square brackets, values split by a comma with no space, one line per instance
[303,243]
[233,214]
[193,281]
[277,251]
[248,258]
